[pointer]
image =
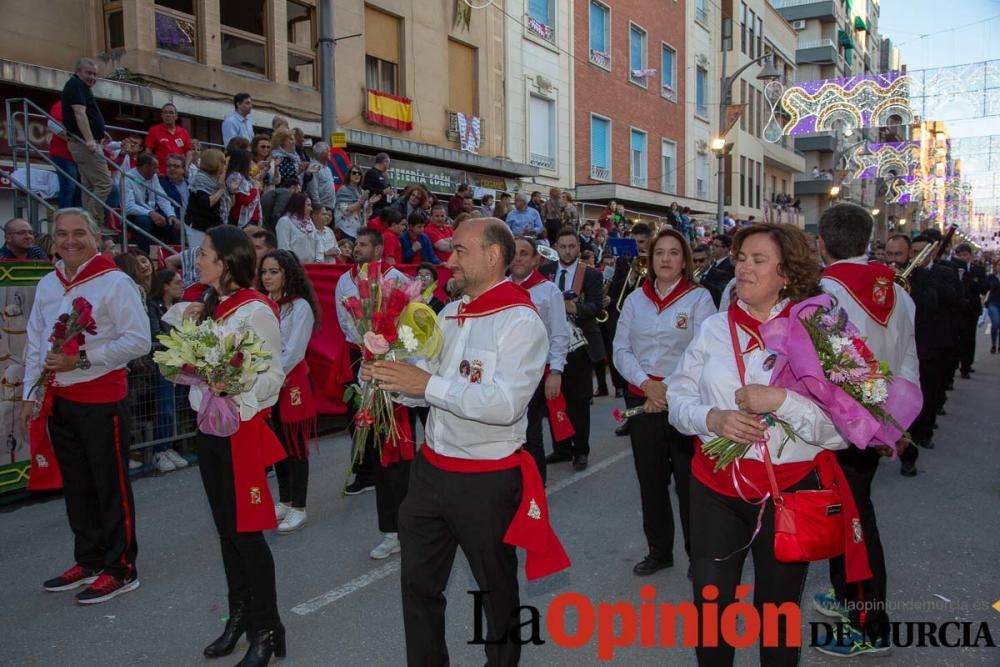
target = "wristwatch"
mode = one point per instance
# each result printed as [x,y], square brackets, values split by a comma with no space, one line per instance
[83,363]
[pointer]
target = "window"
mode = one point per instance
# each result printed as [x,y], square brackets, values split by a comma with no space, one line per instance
[244,38]
[760,37]
[636,54]
[541,132]
[668,167]
[700,11]
[743,100]
[743,181]
[750,34]
[743,28]
[760,182]
[175,27]
[301,44]
[541,18]
[462,81]
[751,110]
[701,178]
[760,113]
[750,170]
[382,48]
[600,148]
[701,91]
[114,35]
[638,161]
[668,72]
[600,34]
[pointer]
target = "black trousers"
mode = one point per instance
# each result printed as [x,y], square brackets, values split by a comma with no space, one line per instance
[922,427]
[364,469]
[391,485]
[552,227]
[293,470]
[865,600]
[444,511]
[246,557]
[967,331]
[608,335]
[578,388]
[720,526]
[534,441]
[91,442]
[659,451]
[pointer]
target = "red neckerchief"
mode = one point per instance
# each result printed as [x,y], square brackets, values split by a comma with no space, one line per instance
[97,266]
[240,298]
[534,278]
[500,297]
[750,326]
[870,285]
[680,289]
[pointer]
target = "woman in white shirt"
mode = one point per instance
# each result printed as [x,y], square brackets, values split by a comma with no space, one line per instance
[721,388]
[233,468]
[294,416]
[328,250]
[295,229]
[656,324]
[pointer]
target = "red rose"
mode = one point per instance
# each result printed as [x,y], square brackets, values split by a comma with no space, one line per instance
[71,347]
[862,349]
[385,326]
[398,300]
[237,359]
[364,289]
[353,306]
[58,332]
[64,318]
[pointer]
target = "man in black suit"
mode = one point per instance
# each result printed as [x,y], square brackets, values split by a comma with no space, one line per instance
[973,279]
[581,288]
[721,271]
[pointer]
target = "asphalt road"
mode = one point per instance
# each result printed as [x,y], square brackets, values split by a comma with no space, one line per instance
[941,532]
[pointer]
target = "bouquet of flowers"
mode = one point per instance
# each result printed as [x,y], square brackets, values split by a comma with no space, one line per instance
[394,324]
[67,336]
[215,355]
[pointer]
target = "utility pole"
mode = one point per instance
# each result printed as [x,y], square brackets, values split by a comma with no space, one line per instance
[328,80]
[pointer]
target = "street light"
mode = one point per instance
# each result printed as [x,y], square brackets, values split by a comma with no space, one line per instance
[835,190]
[875,212]
[768,73]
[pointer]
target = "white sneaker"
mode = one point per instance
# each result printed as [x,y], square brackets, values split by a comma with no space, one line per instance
[281,511]
[133,464]
[387,547]
[294,520]
[175,458]
[162,463]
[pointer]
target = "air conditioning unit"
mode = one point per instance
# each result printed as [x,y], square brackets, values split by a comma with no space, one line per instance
[799,25]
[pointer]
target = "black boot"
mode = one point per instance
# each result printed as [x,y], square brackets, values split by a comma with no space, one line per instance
[263,644]
[235,627]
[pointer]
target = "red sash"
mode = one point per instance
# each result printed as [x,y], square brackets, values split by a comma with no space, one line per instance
[402,448]
[534,278]
[297,406]
[870,285]
[500,297]
[636,391]
[679,290]
[530,528]
[95,267]
[45,474]
[254,446]
[562,427]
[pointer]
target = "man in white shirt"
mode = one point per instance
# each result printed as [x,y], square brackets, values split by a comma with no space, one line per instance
[549,303]
[83,427]
[238,124]
[147,205]
[884,314]
[495,349]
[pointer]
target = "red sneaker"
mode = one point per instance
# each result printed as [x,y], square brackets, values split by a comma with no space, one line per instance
[107,587]
[72,578]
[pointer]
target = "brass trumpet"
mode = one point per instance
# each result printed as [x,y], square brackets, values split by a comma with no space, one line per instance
[602,316]
[903,277]
[637,270]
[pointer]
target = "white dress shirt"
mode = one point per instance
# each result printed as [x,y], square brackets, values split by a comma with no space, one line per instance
[485,419]
[296,321]
[570,275]
[346,287]
[236,125]
[121,319]
[648,342]
[894,343]
[552,309]
[708,377]
[259,318]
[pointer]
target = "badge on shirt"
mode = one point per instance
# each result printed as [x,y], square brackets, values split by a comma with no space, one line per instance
[880,291]
[477,372]
[179,142]
[464,368]
[681,321]
[769,362]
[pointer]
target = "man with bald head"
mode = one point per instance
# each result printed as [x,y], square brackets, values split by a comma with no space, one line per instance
[19,241]
[473,484]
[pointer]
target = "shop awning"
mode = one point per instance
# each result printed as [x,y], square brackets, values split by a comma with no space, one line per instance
[844,39]
[860,23]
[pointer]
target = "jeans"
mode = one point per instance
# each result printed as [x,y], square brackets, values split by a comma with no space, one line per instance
[994,310]
[165,401]
[69,192]
[169,233]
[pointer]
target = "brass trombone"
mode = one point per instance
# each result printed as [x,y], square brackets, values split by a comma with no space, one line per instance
[637,270]
[903,277]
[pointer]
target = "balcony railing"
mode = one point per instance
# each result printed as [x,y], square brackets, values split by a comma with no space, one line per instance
[701,14]
[600,58]
[668,93]
[453,133]
[600,173]
[638,181]
[542,161]
[815,44]
[536,27]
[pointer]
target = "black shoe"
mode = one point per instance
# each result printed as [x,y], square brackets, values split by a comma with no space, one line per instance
[74,577]
[264,644]
[106,587]
[619,393]
[359,486]
[601,392]
[622,430]
[580,462]
[650,565]
[236,625]
[934,427]
[993,349]
[558,457]
[972,370]
[926,444]
[941,412]
[908,469]
[965,375]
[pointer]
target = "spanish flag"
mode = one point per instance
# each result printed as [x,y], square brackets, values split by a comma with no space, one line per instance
[390,110]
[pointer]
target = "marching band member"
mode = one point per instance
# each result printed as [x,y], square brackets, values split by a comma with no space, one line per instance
[884,314]
[720,387]
[549,304]
[622,280]
[389,479]
[720,270]
[84,427]
[657,323]
[582,291]
[294,415]
[233,468]
[474,485]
